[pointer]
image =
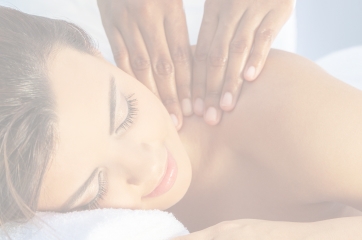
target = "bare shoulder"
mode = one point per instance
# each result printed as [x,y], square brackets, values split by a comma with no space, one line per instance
[296,119]
[261,100]
[285,66]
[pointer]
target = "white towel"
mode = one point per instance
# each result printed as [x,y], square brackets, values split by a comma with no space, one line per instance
[99,224]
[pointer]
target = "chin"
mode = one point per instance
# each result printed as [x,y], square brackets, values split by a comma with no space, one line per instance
[180,190]
[176,193]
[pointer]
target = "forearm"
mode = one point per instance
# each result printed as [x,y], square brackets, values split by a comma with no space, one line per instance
[333,229]
[305,126]
[336,229]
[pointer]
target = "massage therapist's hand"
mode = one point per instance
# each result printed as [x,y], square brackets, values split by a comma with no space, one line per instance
[249,229]
[252,230]
[149,41]
[233,43]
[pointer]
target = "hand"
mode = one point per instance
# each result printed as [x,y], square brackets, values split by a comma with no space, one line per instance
[234,41]
[252,230]
[149,41]
[338,229]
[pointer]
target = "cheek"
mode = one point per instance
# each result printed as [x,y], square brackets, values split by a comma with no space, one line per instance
[152,116]
[121,195]
[149,105]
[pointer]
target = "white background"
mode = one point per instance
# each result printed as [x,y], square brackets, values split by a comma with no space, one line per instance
[326,26]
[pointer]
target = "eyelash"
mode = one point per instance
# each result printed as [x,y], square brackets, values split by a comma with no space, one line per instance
[102,182]
[132,112]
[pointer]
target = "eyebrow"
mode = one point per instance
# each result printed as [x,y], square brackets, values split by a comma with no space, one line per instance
[112,103]
[80,192]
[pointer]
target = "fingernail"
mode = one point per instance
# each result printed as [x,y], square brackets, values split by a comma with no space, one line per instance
[174,119]
[211,115]
[227,100]
[250,74]
[199,106]
[186,107]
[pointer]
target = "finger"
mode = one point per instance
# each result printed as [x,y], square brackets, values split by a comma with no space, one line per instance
[179,47]
[204,41]
[119,50]
[205,234]
[239,50]
[139,59]
[215,70]
[118,47]
[263,39]
[163,69]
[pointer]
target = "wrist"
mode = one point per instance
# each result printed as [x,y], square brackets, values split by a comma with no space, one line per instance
[338,229]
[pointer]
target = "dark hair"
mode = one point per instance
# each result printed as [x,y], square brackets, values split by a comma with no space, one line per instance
[27,117]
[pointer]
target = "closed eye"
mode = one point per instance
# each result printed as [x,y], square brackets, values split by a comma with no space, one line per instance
[131,113]
[102,191]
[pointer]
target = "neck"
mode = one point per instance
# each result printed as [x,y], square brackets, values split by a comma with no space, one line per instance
[198,140]
[208,172]
[191,136]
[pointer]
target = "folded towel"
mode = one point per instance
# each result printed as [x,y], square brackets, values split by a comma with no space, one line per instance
[99,224]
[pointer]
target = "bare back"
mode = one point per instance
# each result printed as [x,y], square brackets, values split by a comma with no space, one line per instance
[289,151]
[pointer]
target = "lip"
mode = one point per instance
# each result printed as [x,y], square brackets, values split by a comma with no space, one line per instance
[168,179]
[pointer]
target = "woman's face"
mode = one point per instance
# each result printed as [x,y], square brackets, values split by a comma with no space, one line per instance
[116,144]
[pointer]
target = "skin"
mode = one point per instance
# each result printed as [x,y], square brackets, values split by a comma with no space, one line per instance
[149,40]
[233,44]
[290,151]
[336,229]
[133,160]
